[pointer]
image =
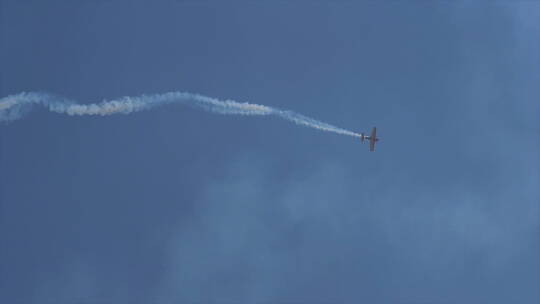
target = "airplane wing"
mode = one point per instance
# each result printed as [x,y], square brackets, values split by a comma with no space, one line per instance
[373,139]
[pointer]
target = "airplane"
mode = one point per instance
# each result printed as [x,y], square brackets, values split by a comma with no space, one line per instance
[372,139]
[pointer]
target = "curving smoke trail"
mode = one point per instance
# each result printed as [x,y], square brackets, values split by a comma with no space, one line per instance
[15,106]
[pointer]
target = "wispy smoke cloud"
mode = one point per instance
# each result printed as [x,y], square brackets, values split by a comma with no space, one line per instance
[15,106]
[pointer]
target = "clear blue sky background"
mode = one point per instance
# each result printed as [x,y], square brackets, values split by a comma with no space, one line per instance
[176,205]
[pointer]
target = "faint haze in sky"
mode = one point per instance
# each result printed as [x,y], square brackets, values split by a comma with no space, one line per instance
[176,205]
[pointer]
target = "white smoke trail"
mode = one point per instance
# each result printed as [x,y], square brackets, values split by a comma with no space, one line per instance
[15,106]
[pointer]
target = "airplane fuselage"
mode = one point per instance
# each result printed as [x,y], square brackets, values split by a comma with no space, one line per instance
[372,138]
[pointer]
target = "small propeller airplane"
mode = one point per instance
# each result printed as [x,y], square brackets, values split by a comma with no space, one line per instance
[372,138]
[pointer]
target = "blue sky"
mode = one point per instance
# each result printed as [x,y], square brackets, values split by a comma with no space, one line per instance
[175,205]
